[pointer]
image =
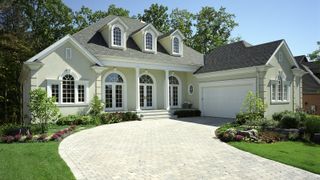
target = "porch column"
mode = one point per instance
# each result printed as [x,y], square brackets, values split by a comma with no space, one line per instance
[137,90]
[166,91]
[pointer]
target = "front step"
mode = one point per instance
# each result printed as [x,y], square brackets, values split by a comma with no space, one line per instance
[155,114]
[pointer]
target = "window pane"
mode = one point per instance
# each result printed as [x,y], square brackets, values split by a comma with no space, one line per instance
[118,96]
[55,92]
[285,92]
[173,80]
[273,91]
[176,45]
[148,41]
[108,94]
[68,89]
[114,77]
[145,79]
[117,36]
[80,93]
[280,91]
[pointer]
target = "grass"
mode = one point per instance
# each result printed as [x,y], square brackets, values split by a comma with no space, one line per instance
[32,161]
[298,154]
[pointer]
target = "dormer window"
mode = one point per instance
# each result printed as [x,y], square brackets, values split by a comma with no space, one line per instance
[116,36]
[149,41]
[176,45]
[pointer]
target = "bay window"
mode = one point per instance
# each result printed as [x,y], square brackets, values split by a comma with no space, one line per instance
[280,90]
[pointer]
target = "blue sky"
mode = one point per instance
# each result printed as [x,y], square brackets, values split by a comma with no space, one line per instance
[296,21]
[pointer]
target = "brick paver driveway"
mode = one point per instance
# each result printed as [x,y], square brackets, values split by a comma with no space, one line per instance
[166,149]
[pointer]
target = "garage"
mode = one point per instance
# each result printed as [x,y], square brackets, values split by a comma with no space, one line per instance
[224,98]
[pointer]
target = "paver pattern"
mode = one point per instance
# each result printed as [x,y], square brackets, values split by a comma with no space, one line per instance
[166,149]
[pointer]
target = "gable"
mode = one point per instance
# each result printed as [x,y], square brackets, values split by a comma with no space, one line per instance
[38,57]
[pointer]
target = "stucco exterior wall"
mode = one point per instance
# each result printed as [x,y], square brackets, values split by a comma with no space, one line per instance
[55,64]
[272,74]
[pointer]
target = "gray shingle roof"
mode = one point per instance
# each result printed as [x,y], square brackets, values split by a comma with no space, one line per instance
[310,85]
[91,39]
[238,55]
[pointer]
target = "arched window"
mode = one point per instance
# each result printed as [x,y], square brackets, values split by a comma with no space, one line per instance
[68,89]
[117,36]
[176,48]
[173,80]
[146,79]
[149,41]
[114,77]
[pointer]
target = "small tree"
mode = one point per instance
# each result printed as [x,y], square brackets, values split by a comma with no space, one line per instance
[253,104]
[42,108]
[96,106]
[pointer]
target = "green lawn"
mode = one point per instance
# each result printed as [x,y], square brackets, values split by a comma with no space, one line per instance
[298,154]
[32,161]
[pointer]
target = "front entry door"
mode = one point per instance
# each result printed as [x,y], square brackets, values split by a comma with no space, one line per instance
[146,96]
[114,96]
[173,95]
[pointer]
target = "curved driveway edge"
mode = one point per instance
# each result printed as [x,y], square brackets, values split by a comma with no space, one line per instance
[166,149]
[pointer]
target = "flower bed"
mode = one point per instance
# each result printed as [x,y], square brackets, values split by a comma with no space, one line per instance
[28,137]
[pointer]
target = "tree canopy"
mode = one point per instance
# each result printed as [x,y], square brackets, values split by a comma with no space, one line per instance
[29,26]
[214,28]
[156,15]
[315,55]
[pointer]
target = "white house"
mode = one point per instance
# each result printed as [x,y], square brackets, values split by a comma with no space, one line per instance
[132,66]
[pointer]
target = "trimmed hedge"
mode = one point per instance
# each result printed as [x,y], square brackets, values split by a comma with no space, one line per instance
[313,124]
[187,113]
[108,118]
[76,120]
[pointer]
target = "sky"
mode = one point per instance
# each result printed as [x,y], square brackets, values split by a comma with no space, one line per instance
[296,21]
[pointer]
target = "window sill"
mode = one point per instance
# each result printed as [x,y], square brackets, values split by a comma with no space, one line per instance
[117,47]
[71,104]
[280,102]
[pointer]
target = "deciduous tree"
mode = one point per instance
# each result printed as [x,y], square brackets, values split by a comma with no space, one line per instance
[156,15]
[213,28]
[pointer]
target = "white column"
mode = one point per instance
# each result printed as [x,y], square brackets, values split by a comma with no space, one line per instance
[166,91]
[137,90]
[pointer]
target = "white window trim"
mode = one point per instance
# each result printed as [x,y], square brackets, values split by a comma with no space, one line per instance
[124,90]
[180,46]
[154,42]
[76,83]
[68,53]
[123,35]
[276,83]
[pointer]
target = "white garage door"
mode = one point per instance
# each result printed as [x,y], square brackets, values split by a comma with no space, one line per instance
[225,98]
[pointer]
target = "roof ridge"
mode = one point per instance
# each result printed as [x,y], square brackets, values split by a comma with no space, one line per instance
[280,40]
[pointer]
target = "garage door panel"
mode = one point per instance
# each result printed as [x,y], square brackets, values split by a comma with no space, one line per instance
[224,100]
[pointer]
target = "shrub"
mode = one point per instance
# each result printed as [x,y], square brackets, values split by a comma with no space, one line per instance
[76,120]
[43,108]
[96,106]
[262,122]
[248,118]
[289,120]
[187,113]
[10,129]
[29,137]
[108,118]
[277,116]
[312,124]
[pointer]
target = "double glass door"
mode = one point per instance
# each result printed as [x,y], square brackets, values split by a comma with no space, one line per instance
[146,97]
[114,96]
